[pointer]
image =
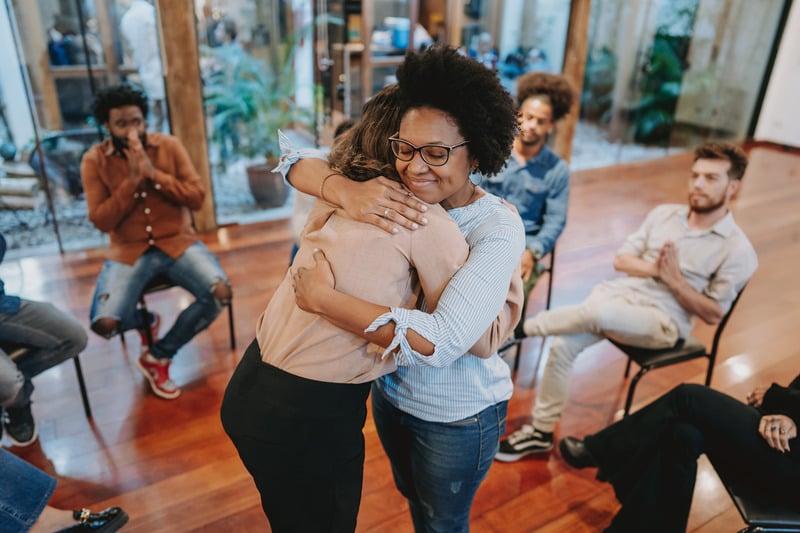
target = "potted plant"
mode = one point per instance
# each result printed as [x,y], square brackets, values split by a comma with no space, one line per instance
[249,100]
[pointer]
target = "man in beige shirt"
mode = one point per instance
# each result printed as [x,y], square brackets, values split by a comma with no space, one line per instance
[684,261]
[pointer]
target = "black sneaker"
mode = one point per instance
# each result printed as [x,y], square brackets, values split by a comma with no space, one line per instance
[524,442]
[19,425]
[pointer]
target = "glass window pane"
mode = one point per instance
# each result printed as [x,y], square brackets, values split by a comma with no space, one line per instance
[253,59]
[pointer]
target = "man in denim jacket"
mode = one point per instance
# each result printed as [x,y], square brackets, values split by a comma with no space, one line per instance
[535,179]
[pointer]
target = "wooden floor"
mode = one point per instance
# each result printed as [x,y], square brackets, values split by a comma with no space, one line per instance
[171,467]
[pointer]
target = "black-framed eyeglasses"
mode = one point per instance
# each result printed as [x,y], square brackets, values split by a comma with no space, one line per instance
[434,155]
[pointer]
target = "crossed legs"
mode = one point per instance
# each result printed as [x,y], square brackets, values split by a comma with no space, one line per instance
[576,328]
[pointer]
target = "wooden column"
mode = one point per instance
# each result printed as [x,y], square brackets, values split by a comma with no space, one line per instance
[106,29]
[574,66]
[180,58]
[454,21]
[34,46]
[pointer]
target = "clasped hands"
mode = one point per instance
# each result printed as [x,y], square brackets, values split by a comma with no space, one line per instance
[139,165]
[668,264]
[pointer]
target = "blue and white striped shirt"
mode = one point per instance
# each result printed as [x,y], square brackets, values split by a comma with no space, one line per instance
[452,384]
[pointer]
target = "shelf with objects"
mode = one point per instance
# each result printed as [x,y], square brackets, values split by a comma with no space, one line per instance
[374,42]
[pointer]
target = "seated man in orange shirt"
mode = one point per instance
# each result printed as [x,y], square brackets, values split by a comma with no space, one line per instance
[140,189]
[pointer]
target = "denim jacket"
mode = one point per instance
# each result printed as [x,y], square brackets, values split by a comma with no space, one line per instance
[8,304]
[539,189]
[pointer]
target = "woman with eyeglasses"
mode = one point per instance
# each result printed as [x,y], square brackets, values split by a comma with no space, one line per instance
[441,414]
[296,404]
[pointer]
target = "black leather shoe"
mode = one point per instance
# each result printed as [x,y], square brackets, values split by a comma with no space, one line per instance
[19,424]
[105,521]
[574,452]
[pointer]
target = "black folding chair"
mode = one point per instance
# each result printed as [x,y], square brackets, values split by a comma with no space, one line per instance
[18,351]
[760,513]
[162,283]
[549,270]
[684,350]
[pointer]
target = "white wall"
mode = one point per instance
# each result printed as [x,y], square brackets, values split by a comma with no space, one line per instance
[12,86]
[778,121]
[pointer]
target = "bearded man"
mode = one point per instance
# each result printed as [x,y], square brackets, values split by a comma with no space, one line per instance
[535,179]
[140,188]
[685,261]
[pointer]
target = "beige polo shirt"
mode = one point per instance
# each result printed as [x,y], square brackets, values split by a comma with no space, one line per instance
[716,262]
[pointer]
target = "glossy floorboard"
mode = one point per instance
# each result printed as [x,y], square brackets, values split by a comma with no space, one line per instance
[171,467]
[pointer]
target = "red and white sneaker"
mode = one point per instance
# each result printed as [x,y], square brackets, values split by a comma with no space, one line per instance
[157,373]
[155,324]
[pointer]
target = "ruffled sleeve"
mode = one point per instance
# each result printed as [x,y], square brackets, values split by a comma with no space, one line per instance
[291,155]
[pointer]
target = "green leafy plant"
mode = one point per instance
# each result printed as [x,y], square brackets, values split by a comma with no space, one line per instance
[249,99]
[598,85]
[654,115]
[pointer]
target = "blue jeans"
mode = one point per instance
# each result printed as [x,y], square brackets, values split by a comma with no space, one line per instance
[54,335]
[24,493]
[119,285]
[438,466]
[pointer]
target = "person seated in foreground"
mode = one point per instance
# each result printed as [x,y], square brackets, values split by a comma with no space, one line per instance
[51,336]
[24,493]
[650,457]
[684,261]
[140,189]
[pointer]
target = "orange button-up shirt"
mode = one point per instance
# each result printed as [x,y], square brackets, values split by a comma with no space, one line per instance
[154,213]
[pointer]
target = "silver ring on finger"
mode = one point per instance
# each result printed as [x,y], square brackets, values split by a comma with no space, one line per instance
[386,212]
[782,431]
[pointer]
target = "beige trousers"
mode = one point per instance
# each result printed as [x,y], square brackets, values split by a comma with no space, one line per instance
[600,316]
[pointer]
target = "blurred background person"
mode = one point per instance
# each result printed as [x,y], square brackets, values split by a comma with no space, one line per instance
[138,26]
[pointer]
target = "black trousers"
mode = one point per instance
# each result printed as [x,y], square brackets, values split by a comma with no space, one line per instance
[301,441]
[650,457]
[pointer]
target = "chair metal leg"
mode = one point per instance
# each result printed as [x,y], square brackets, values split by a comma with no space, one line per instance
[628,368]
[549,286]
[631,389]
[146,323]
[82,384]
[230,325]
[710,370]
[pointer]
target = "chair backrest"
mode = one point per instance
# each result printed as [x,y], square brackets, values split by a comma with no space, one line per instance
[722,324]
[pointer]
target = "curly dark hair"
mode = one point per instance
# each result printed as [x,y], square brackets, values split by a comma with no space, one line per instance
[554,87]
[117,96]
[725,152]
[442,78]
[362,152]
